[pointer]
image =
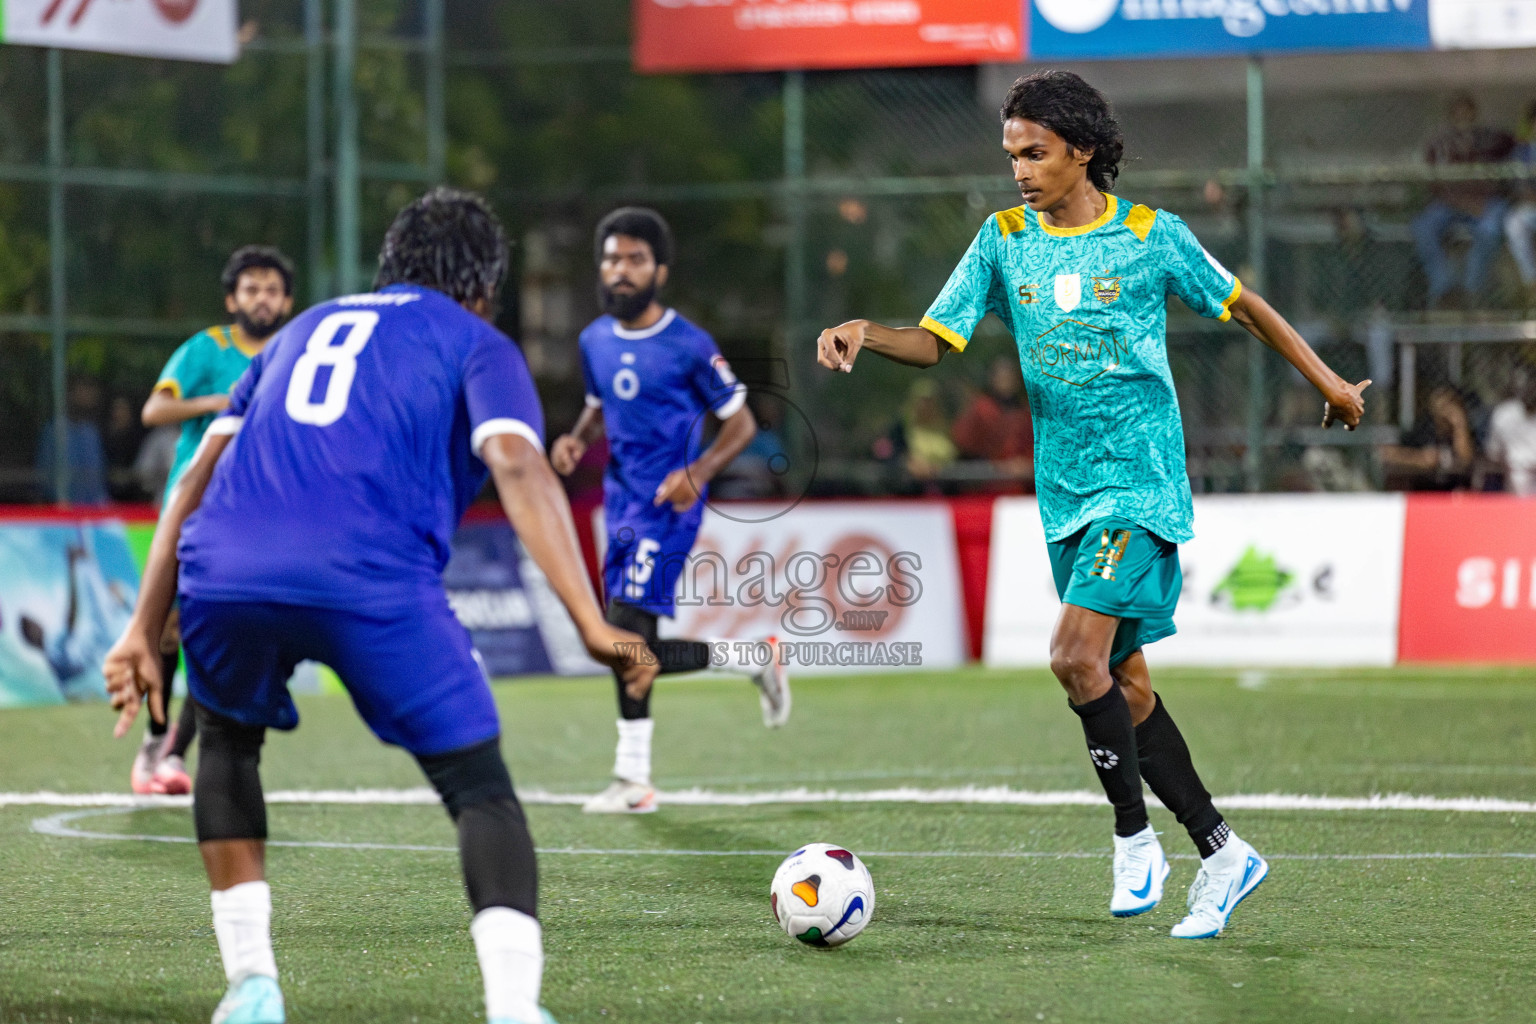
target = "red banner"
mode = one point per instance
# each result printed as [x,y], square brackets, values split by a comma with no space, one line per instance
[776,35]
[1469,579]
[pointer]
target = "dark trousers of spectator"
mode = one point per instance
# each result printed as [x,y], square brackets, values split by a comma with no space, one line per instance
[1429,229]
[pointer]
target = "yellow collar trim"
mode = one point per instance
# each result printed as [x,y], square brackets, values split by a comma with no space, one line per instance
[1110,205]
[243,345]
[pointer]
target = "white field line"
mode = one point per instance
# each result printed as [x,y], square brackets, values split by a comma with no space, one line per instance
[60,826]
[992,795]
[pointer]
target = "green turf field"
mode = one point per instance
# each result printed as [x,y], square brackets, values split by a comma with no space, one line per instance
[103,930]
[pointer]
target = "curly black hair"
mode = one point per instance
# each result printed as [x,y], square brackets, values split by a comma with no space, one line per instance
[256,257]
[636,222]
[449,241]
[1062,102]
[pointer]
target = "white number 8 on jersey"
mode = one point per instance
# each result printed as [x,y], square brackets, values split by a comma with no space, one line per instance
[342,359]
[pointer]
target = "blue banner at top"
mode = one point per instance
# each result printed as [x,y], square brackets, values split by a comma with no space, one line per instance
[1127,29]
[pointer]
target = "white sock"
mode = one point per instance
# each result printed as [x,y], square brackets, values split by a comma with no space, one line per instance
[242,921]
[510,947]
[738,656]
[632,759]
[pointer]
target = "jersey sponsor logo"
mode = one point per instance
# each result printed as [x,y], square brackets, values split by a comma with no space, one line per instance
[723,368]
[1069,291]
[1029,294]
[1075,353]
[1106,289]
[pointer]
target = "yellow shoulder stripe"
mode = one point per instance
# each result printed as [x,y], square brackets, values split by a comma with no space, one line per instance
[1140,221]
[1226,307]
[954,340]
[220,335]
[170,384]
[1009,221]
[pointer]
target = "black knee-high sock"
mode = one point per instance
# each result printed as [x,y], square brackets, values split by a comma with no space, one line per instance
[674,655]
[186,727]
[168,665]
[1170,772]
[1112,746]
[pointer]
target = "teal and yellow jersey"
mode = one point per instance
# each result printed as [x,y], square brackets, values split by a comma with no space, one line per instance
[1087,307]
[208,363]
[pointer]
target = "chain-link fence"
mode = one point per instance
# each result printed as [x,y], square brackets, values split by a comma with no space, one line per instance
[866,201]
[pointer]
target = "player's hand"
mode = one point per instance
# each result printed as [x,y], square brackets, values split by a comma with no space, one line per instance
[626,653]
[1345,405]
[838,347]
[132,671]
[566,453]
[679,489]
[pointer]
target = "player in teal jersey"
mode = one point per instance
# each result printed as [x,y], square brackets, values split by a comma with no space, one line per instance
[1080,278]
[194,388]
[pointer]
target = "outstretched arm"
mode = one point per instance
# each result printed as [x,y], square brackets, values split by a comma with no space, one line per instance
[839,346]
[132,666]
[1342,400]
[164,408]
[535,505]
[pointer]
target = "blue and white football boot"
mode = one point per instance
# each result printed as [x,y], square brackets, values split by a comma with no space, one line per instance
[1140,869]
[1225,880]
[545,1017]
[255,1000]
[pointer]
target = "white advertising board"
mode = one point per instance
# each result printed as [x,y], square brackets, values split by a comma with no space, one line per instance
[203,30]
[1268,580]
[845,586]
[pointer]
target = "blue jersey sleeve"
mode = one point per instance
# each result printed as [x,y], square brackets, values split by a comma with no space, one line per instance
[1194,275]
[974,289]
[714,382]
[499,392]
[594,396]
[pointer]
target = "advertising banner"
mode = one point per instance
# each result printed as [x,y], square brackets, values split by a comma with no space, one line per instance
[1469,586]
[845,586]
[1087,29]
[759,35]
[1268,580]
[518,624]
[204,30]
[1482,24]
[66,592]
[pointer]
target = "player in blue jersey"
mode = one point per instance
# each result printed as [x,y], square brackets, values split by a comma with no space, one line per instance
[315,524]
[1081,281]
[652,379]
[192,389]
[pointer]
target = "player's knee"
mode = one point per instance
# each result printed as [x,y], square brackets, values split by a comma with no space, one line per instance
[1075,667]
[470,776]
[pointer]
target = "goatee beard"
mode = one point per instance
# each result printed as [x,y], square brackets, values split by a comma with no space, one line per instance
[625,307]
[257,330]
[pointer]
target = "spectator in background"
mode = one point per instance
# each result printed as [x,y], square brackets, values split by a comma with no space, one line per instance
[1438,452]
[1479,205]
[124,436]
[759,471]
[152,465]
[925,432]
[1512,435]
[1520,225]
[996,425]
[84,454]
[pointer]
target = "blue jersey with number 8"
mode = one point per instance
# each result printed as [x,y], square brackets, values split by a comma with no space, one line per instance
[359,427]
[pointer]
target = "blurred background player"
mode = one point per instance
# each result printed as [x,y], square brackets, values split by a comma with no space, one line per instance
[368,427]
[651,377]
[193,388]
[1109,456]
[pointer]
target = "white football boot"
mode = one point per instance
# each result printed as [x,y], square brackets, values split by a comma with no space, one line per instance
[1226,878]
[255,1000]
[141,777]
[623,797]
[1140,869]
[773,684]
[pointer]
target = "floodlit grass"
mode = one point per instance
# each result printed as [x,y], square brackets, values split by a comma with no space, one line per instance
[99,930]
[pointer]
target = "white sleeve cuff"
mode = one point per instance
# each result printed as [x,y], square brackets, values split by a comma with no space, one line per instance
[225,426]
[593,402]
[733,404]
[492,428]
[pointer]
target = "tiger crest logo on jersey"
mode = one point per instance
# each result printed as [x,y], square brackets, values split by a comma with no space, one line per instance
[1106,289]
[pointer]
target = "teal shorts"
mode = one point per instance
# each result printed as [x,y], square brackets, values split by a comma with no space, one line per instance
[1114,567]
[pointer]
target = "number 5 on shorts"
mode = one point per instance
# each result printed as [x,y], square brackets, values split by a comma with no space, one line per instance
[342,359]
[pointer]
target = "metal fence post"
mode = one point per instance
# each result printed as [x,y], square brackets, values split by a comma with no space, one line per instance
[1253,456]
[344,86]
[436,102]
[796,288]
[57,300]
[314,138]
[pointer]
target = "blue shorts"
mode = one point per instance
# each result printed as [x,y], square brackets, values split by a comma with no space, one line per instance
[1114,567]
[648,548]
[414,677]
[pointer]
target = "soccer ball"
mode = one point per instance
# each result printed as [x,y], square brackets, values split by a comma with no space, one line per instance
[822,895]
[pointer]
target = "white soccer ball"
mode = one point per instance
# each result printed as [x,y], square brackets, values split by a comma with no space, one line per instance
[822,895]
